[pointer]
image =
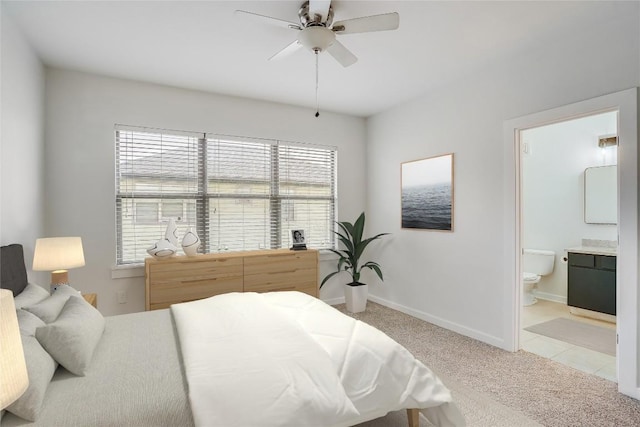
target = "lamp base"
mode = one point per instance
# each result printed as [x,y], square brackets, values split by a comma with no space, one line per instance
[58,278]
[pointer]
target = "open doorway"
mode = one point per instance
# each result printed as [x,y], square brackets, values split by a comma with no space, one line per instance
[625,103]
[564,167]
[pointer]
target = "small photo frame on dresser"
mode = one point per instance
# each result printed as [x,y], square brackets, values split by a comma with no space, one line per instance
[298,239]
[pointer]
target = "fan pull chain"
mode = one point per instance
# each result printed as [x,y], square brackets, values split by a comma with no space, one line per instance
[317,103]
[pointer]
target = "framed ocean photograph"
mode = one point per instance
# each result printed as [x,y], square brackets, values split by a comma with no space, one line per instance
[427,193]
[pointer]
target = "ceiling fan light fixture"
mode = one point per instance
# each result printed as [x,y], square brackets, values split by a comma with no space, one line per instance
[316,39]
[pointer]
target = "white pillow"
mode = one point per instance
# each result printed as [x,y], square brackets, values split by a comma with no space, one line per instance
[74,335]
[30,295]
[49,308]
[40,368]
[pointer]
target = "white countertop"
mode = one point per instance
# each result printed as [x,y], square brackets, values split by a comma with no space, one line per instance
[594,250]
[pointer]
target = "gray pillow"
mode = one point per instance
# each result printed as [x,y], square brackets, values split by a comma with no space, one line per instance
[40,369]
[28,323]
[49,308]
[74,335]
[30,295]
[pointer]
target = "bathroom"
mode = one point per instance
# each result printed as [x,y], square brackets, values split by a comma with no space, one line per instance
[554,198]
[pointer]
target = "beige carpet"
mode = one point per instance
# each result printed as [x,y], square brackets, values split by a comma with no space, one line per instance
[493,387]
[583,334]
[479,411]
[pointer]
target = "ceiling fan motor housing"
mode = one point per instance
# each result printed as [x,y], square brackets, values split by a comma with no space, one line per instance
[309,21]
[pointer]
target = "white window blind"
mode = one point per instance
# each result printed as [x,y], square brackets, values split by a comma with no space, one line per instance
[237,193]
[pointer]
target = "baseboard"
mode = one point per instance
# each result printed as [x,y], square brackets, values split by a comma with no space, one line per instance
[463,330]
[550,297]
[334,301]
[472,333]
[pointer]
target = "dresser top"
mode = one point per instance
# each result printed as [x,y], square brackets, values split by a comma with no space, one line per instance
[223,255]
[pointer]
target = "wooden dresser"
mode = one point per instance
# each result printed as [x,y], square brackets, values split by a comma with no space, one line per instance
[181,278]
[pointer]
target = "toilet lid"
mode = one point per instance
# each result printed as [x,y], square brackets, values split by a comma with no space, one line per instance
[529,276]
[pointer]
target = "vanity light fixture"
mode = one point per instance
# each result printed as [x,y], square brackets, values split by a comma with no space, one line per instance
[607,141]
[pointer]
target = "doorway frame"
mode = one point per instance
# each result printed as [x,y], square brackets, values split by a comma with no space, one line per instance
[627,302]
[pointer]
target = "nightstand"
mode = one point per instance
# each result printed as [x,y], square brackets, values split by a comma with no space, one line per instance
[91,299]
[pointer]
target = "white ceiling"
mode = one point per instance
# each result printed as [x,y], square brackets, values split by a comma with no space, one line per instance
[202,45]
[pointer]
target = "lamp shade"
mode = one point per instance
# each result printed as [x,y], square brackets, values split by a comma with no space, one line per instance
[13,369]
[58,253]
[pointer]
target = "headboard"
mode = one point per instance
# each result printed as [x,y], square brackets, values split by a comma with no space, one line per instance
[12,269]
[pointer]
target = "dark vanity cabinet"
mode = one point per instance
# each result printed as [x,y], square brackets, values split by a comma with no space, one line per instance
[592,282]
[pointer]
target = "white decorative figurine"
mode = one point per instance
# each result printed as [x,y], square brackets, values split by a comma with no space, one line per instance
[162,249]
[190,243]
[171,234]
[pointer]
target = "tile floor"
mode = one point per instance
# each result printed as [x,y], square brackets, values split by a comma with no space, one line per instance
[572,355]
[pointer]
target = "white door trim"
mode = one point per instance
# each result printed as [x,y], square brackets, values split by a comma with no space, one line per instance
[626,103]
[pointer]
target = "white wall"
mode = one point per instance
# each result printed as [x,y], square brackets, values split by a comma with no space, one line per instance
[553,191]
[21,144]
[81,110]
[456,279]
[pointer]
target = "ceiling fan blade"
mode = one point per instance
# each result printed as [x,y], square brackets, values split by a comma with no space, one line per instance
[342,54]
[319,7]
[287,50]
[267,19]
[365,24]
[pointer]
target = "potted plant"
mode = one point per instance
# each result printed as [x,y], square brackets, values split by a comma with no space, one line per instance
[349,260]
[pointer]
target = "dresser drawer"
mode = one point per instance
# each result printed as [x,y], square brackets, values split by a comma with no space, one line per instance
[197,265]
[281,281]
[280,262]
[177,282]
[282,271]
[176,291]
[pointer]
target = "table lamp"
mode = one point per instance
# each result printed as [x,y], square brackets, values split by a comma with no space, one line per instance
[58,254]
[14,379]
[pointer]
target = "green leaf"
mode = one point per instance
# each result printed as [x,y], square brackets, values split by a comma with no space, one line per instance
[347,244]
[329,276]
[337,253]
[360,248]
[347,227]
[375,267]
[358,229]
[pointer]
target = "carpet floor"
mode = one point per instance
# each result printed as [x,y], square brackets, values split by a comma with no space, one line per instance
[493,387]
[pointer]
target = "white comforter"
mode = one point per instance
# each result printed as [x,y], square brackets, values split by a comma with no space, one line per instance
[288,359]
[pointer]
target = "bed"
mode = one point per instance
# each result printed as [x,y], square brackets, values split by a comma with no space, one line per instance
[274,359]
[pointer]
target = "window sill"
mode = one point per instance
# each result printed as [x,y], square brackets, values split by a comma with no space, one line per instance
[327,255]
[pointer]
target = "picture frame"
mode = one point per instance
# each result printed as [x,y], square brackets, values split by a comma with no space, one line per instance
[427,193]
[298,239]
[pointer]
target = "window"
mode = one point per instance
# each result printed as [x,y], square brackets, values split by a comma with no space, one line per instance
[236,193]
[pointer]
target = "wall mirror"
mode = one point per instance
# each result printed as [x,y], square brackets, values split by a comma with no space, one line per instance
[601,195]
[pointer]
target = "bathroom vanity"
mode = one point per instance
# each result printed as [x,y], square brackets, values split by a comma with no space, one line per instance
[592,279]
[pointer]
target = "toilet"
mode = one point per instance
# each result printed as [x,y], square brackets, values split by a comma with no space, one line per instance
[535,264]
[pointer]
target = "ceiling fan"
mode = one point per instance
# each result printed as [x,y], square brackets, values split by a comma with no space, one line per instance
[317,31]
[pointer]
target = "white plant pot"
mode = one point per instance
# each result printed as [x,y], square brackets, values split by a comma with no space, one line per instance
[356,297]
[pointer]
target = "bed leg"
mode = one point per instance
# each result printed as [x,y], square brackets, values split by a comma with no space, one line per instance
[414,417]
